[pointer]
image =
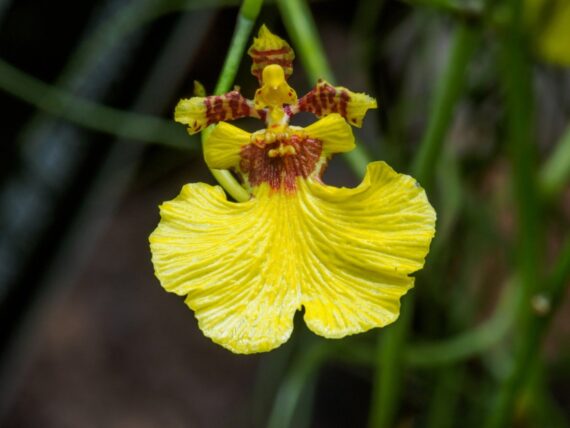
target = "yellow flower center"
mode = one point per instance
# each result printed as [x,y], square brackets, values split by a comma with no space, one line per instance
[274,93]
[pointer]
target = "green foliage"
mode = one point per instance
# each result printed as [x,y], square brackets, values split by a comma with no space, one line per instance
[506,345]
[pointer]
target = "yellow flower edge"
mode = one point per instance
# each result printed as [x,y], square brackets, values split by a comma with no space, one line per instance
[342,254]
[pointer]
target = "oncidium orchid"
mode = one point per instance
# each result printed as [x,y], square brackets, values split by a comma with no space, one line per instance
[342,254]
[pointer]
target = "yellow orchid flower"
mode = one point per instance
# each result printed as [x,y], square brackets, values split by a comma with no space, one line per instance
[344,255]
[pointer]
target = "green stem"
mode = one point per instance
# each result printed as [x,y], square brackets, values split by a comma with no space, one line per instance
[470,343]
[517,83]
[466,10]
[301,27]
[447,93]
[559,278]
[556,171]
[131,126]
[134,126]
[389,363]
[461,347]
[529,349]
[477,340]
[291,389]
[388,372]
[248,13]
[58,102]
[443,407]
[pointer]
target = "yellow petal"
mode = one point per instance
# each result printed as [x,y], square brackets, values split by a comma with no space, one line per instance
[199,89]
[325,98]
[365,243]
[358,105]
[222,147]
[267,49]
[230,261]
[274,91]
[192,112]
[334,132]
[199,112]
[343,254]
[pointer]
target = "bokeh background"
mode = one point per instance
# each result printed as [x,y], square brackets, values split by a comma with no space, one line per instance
[474,100]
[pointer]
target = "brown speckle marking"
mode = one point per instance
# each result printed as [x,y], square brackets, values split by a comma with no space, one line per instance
[324,99]
[280,172]
[229,106]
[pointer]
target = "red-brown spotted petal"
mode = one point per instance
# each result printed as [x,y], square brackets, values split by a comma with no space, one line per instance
[325,98]
[267,49]
[200,112]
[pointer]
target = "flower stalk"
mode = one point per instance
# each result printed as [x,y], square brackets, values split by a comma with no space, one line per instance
[392,345]
[247,16]
[516,75]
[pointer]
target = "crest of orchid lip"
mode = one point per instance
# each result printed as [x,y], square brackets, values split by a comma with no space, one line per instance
[345,255]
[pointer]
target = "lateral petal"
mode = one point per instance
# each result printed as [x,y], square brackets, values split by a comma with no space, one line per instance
[325,98]
[335,134]
[223,145]
[199,112]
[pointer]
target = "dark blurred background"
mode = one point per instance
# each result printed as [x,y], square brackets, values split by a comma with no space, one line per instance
[88,338]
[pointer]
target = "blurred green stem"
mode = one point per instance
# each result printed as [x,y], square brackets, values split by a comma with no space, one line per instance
[131,126]
[456,348]
[467,9]
[447,93]
[516,76]
[301,27]
[89,114]
[304,34]
[556,171]
[302,371]
[529,350]
[388,371]
[472,342]
[389,363]
[248,13]
[443,407]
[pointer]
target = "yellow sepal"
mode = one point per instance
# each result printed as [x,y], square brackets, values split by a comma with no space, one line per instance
[267,49]
[325,99]
[267,41]
[191,112]
[357,107]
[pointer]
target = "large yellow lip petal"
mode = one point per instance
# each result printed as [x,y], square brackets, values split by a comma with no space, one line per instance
[370,239]
[343,254]
[220,254]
